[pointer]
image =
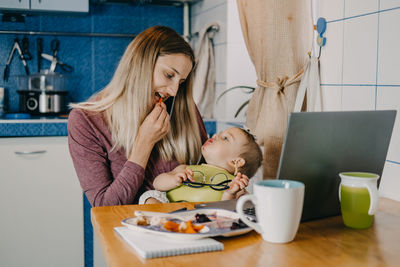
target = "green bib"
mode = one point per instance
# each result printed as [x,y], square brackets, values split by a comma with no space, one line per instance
[212,175]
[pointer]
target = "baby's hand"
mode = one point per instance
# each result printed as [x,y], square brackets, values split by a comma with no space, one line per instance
[180,174]
[238,184]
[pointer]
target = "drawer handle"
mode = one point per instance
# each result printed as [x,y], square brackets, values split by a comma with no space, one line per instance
[30,152]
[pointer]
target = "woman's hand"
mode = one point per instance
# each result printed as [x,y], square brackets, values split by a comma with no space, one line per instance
[154,127]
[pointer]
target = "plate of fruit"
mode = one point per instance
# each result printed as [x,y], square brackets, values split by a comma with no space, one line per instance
[190,224]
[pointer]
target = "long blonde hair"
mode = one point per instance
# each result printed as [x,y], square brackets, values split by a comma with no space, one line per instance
[127,99]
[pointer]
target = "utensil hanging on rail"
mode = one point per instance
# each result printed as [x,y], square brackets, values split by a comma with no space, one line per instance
[39,50]
[55,45]
[23,57]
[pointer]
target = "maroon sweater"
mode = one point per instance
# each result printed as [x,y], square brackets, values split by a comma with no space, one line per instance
[107,177]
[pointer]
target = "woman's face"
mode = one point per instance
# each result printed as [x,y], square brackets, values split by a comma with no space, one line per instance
[169,72]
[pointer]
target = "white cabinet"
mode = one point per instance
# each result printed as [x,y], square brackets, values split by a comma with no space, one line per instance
[46,5]
[15,4]
[41,207]
[61,5]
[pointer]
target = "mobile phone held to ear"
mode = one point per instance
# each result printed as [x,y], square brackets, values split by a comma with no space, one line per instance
[169,102]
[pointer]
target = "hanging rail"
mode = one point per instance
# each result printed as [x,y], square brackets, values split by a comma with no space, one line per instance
[77,34]
[196,34]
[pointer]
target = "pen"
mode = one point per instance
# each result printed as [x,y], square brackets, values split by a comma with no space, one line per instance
[178,210]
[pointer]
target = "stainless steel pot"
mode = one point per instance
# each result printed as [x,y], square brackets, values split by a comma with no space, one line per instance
[42,102]
[43,81]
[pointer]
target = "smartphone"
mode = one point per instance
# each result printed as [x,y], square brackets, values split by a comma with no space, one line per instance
[170,105]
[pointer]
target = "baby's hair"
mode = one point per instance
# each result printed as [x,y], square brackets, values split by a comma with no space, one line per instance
[251,154]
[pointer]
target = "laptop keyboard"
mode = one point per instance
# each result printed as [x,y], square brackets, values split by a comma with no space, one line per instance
[251,214]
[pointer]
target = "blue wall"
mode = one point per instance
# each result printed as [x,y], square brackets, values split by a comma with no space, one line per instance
[94,59]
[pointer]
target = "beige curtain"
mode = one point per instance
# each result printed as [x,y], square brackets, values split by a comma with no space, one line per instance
[278,35]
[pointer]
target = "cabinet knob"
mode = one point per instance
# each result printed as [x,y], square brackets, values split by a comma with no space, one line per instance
[30,152]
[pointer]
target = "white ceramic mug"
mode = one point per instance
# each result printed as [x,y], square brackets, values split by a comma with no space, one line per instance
[279,205]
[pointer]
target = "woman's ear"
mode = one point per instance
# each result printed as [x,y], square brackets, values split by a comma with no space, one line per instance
[237,163]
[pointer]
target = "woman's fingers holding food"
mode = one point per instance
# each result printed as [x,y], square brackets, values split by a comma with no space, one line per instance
[166,124]
[162,121]
[156,112]
[156,125]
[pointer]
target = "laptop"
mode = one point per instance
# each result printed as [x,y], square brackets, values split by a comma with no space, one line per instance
[320,145]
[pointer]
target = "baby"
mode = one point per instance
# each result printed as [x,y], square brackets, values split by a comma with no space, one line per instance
[231,156]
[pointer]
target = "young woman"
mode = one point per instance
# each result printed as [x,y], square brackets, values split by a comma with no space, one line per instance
[123,136]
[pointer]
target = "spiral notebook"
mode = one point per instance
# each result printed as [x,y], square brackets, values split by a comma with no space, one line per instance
[153,246]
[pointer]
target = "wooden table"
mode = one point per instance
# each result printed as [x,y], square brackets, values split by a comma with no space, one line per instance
[323,242]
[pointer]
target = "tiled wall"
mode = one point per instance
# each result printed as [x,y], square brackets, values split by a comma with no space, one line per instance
[360,64]
[94,58]
[360,67]
[233,66]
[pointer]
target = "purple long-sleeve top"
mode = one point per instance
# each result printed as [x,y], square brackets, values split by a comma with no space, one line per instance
[107,177]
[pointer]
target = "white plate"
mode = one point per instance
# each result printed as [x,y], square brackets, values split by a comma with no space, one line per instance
[215,228]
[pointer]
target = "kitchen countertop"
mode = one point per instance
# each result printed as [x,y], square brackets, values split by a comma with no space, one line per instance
[33,127]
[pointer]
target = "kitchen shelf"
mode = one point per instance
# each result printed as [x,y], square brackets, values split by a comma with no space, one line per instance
[77,34]
[153,2]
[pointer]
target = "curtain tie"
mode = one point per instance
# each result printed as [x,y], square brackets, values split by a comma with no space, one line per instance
[281,83]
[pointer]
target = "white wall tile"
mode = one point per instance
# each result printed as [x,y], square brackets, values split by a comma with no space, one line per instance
[236,99]
[386,4]
[388,98]
[217,14]
[390,181]
[234,31]
[223,125]
[331,10]
[360,50]
[220,52]
[240,69]
[331,60]
[358,7]
[204,6]
[331,98]
[389,44]
[219,108]
[230,103]
[358,98]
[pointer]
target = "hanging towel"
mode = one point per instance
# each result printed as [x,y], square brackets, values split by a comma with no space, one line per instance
[204,74]
[310,83]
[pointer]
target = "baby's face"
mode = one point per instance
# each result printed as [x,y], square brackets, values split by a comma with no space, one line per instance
[224,147]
